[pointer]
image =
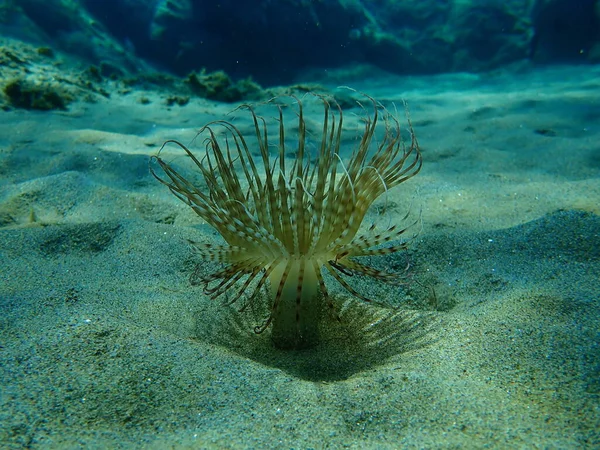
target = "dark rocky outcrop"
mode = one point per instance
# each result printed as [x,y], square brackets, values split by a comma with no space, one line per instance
[566,31]
[275,42]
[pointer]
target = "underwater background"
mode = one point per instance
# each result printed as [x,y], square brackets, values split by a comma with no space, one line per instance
[493,343]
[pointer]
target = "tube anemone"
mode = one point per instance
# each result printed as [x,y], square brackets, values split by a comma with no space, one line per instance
[284,225]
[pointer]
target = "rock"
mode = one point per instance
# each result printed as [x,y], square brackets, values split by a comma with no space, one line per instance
[278,42]
[44,96]
[566,31]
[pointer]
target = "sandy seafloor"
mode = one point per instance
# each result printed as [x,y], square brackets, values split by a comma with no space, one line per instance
[105,344]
